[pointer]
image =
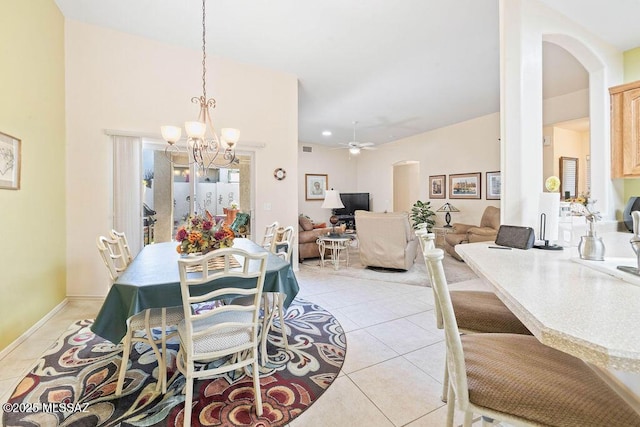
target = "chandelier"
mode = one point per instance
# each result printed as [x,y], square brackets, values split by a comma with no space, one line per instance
[203,147]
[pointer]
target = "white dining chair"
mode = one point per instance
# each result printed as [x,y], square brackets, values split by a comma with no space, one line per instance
[111,253]
[142,322]
[283,244]
[124,245]
[226,331]
[269,233]
[515,379]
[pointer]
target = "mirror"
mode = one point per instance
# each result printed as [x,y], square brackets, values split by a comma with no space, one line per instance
[568,177]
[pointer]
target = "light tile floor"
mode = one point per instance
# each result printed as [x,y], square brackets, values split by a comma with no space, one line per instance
[392,375]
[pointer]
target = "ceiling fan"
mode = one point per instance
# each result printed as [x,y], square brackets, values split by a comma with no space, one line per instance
[354,147]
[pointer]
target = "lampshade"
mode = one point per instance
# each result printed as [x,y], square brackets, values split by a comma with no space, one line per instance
[230,136]
[195,130]
[171,134]
[448,207]
[332,200]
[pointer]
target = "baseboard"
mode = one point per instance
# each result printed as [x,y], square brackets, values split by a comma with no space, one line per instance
[85,297]
[22,338]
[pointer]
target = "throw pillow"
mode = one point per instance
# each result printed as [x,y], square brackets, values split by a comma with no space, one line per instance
[321,225]
[305,223]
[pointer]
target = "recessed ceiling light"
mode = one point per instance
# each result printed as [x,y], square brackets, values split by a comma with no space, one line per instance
[326,133]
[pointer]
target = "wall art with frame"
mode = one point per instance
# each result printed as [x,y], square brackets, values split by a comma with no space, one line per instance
[465,186]
[437,186]
[494,185]
[315,186]
[10,158]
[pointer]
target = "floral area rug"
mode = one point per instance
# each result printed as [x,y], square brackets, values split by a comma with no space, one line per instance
[74,382]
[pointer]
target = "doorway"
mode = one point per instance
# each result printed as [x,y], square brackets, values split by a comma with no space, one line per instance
[171,193]
[406,185]
[566,128]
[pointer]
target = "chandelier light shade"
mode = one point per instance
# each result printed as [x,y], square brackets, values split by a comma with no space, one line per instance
[354,150]
[448,208]
[204,148]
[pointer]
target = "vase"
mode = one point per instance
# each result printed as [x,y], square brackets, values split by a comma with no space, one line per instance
[591,247]
[231,215]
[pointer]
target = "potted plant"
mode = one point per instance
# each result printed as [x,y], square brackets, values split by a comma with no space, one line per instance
[421,214]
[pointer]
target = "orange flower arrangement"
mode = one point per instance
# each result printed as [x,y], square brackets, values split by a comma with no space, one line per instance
[201,235]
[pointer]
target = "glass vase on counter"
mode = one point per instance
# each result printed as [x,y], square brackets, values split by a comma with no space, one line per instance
[591,247]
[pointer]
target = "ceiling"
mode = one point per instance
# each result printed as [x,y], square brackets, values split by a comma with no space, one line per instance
[399,68]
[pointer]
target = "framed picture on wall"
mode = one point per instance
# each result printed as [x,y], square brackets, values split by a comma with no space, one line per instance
[10,159]
[465,186]
[315,186]
[437,187]
[494,185]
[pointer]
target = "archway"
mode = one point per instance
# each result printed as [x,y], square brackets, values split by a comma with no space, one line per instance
[406,185]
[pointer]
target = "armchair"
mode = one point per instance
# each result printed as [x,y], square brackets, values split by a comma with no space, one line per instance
[308,233]
[467,233]
[385,239]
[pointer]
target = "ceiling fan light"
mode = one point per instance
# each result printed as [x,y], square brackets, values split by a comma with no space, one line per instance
[354,150]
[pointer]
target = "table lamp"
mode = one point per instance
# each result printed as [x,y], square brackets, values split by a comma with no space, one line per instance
[332,201]
[448,208]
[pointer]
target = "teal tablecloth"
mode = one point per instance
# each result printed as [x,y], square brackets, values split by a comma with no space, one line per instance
[152,281]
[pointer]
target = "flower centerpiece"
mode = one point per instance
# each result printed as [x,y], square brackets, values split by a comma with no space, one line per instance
[583,205]
[201,235]
[591,247]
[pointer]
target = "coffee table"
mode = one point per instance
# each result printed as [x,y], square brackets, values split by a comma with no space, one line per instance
[336,245]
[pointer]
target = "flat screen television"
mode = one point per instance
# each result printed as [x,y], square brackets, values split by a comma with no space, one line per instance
[353,202]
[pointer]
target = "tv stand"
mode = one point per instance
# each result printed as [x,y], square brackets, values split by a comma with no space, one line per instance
[349,220]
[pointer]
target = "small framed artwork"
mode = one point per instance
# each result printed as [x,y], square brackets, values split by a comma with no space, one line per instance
[494,185]
[465,186]
[315,186]
[10,158]
[437,187]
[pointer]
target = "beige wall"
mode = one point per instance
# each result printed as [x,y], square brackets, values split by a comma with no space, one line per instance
[470,146]
[571,143]
[32,219]
[341,175]
[128,83]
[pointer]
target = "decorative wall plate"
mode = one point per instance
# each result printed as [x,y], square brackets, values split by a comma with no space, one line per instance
[280,174]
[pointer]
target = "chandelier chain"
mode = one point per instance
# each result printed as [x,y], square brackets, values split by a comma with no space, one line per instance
[204,53]
[204,148]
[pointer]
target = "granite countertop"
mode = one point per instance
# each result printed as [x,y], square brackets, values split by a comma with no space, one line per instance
[584,308]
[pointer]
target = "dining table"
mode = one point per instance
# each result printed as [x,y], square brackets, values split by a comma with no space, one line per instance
[152,280]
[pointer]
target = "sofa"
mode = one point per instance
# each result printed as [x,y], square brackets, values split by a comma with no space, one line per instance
[385,239]
[308,233]
[467,233]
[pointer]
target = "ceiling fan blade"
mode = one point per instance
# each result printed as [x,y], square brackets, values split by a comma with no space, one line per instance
[366,144]
[368,148]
